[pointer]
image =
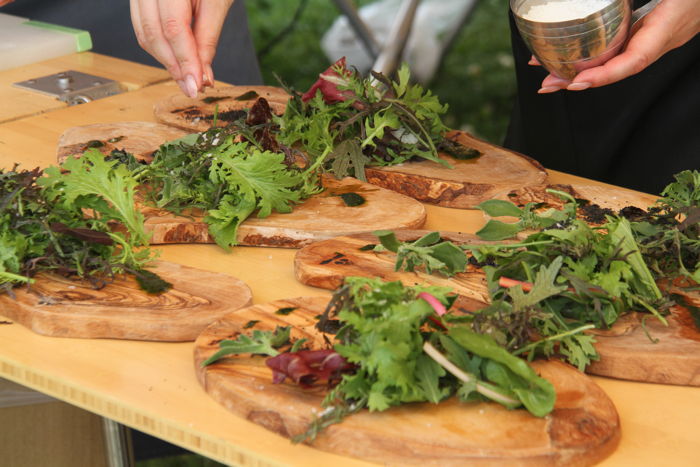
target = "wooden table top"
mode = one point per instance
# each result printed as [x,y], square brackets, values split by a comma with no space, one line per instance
[152,387]
[19,103]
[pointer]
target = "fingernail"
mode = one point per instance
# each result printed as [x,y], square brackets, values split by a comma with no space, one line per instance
[191,86]
[548,89]
[578,86]
[209,73]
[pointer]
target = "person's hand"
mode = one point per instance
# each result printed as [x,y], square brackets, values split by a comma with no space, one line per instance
[182,35]
[671,24]
[5,2]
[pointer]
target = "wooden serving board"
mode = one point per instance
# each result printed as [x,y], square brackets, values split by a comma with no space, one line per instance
[141,139]
[60,307]
[327,263]
[496,172]
[322,216]
[625,351]
[464,185]
[583,428]
[197,114]
[605,196]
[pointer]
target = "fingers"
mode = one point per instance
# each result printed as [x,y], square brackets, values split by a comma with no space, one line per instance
[643,49]
[553,84]
[163,30]
[209,19]
[669,25]
[175,19]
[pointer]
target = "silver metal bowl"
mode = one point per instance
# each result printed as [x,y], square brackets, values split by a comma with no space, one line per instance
[565,48]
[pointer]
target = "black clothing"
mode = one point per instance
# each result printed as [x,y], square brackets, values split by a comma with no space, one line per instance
[636,133]
[109,23]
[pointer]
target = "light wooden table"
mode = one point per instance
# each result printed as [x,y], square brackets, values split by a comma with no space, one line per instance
[19,103]
[152,386]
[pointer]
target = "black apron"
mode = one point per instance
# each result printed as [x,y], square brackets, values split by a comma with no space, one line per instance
[109,24]
[636,133]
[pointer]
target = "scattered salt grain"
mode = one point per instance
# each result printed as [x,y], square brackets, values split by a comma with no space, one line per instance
[563,10]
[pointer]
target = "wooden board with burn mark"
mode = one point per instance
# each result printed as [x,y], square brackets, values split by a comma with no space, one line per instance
[468,182]
[141,139]
[228,103]
[583,428]
[62,307]
[322,216]
[626,352]
[327,263]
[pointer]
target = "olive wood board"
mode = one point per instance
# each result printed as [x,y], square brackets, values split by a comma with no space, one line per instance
[197,114]
[463,185]
[61,307]
[323,215]
[605,196]
[582,429]
[141,139]
[468,182]
[326,264]
[625,351]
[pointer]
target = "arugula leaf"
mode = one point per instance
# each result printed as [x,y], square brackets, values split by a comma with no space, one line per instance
[99,182]
[260,342]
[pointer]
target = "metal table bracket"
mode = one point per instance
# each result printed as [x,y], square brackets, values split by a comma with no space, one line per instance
[72,87]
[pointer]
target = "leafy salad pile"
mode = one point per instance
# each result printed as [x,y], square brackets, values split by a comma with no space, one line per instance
[212,173]
[62,222]
[395,344]
[577,277]
[346,122]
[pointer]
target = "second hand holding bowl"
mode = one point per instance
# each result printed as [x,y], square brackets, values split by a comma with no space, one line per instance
[569,36]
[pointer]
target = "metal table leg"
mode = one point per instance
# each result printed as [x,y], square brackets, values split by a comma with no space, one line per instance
[118,444]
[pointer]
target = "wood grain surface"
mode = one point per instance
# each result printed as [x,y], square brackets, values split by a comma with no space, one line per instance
[605,196]
[327,263]
[20,103]
[150,385]
[660,354]
[496,172]
[141,139]
[322,216]
[60,307]
[583,428]
[197,114]
[626,352]
[463,185]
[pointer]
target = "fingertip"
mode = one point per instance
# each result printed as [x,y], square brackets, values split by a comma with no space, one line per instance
[191,86]
[208,76]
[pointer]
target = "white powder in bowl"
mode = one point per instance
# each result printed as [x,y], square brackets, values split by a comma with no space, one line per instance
[563,10]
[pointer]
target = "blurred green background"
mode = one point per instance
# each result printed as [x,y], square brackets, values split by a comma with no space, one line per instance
[476,78]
